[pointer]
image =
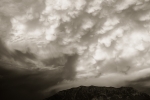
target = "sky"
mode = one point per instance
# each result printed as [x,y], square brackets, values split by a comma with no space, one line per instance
[52,45]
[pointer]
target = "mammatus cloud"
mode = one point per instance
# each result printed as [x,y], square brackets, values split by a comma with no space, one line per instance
[74,42]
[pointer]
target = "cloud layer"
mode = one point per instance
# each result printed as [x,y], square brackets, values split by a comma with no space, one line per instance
[73,42]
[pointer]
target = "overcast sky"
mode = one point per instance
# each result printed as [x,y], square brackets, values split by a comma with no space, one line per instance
[50,45]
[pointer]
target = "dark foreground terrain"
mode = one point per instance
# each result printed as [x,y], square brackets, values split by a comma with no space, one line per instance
[100,93]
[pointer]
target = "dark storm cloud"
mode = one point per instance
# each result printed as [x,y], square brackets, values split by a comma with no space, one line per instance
[30,84]
[3,50]
[17,56]
[27,85]
[20,56]
[69,68]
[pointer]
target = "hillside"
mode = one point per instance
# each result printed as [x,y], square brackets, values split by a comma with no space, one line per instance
[99,93]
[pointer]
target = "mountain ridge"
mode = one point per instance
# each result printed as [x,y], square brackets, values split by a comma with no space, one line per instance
[99,93]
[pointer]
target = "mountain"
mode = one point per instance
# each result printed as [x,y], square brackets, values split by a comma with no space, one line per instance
[99,93]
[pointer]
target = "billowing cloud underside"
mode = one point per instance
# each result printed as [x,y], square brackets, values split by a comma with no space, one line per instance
[76,38]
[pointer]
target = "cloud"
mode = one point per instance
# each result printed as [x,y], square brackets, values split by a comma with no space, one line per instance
[73,40]
[113,79]
[31,84]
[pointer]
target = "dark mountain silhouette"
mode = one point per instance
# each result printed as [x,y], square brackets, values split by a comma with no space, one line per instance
[99,93]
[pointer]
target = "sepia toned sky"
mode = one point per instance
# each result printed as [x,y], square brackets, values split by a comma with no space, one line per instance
[51,45]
